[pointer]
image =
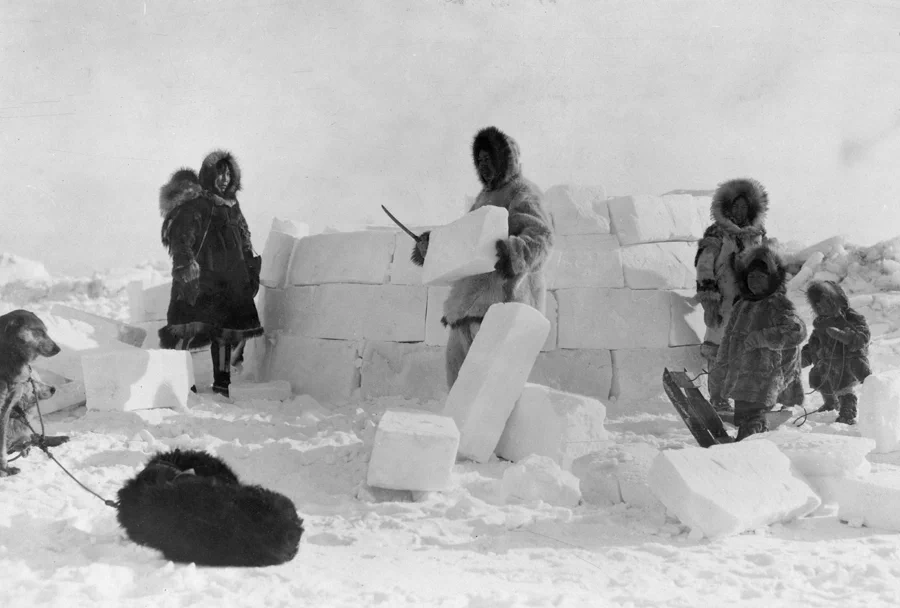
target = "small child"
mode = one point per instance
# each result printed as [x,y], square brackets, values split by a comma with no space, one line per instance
[837,350]
[758,362]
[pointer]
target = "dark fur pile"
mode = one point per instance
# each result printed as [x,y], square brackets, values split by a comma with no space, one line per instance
[207,516]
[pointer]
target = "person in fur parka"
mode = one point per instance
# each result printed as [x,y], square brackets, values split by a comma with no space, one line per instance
[215,274]
[738,211]
[519,273]
[837,349]
[758,363]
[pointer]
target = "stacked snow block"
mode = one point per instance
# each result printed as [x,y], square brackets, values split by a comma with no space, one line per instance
[620,302]
[280,245]
[137,379]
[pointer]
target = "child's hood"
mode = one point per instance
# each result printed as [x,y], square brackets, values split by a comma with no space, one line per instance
[819,291]
[765,259]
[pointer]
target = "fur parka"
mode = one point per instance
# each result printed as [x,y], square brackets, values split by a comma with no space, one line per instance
[724,240]
[527,247]
[838,364]
[203,227]
[770,372]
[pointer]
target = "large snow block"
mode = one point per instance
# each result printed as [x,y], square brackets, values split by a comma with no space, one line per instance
[277,307]
[547,422]
[617,473]
[879,410]
[637,377]
[275,390]
[355,312]
[296,229]
[327,370]
[649,219]
[493,375]
[137,379]
[103,329]
[822,454]
[869,501]
[68,392]
[578,209]
[150,304]
[465,247]
[585,372]
[435,332]
[342,257]
[413,451]
[276,259]
[587,260]
[75,339]
[613,318]
[152,328]
[687,326]
[414,371]
[659,265]
[732,488]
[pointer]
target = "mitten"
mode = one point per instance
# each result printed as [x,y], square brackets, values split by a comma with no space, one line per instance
[420,249]
[187,280]
[510,262]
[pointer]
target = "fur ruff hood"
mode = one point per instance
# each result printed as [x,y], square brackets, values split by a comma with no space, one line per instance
[817,291]
[504,154]
[757,205]
[769,261]
[186,185]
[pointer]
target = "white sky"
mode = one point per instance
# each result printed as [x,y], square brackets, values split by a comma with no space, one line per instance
[334,108]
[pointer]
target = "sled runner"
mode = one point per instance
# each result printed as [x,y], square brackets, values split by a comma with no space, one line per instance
[698,414]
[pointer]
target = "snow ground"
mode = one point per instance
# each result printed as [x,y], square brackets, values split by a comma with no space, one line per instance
[467,547]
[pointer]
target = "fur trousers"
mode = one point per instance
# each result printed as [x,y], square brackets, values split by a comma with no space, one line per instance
[458,344]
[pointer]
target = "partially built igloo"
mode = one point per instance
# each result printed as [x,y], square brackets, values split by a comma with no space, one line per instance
[347,316]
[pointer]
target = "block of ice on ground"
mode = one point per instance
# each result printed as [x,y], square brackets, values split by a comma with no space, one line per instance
[327,370]
[594,317]
[342,257]
[465,247]
[686,327]
[274,390]
[585,260]
[541,478]
[879,410]
[648,219]
[68,392]
[137,379]
[276,259]
[493,375]
[547,422]
[75,338]
[728,489]
[414,371]
[103,329]
[822,454]
[585,372]
[413,451]
[871,500]
[617,473]
[659,265]
[578,209]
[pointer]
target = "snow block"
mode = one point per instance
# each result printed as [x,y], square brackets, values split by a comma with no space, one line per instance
[879,410]
[869,501]
[659,265]
[276,259]
[150,304]
[731,488]
[587,260]
[354,312]
[137,379]
[821,454]
[578,209]
[75,339]
[540,478]
[547,422]
[414,371]
[617,474]
[342,257]
[552,313]
[637,380]
[403,271]
[413,451]
[327,370]
[276,390]
[152,328]
[649,219]
[465,247]
[278,306]
[493,375]
[435,332]
[585,372]
[613,318]
[296,229]
[68,392]
[686,325]
[104,329]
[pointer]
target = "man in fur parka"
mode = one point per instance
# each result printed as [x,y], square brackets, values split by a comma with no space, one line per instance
[758,364]
[838,349]
[738,211]
[518,275]
[215,274]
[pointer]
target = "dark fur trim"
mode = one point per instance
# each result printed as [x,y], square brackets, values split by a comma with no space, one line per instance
[757,204]
[199,335]
[191,506]
[463,321]
[207,174]
[183,186]
[817,291]
[770,261]
[504,154]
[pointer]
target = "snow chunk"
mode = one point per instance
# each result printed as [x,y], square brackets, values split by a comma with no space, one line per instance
[540,478]
[465,247]
[137,379]
[578,209]
[871,501]
[879,411]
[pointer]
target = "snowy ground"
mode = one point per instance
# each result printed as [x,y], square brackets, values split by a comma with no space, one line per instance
[467,547]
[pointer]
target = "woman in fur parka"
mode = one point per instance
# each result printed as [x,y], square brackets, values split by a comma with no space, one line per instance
[738,211]
[215,274]
[519,272]
[838,349]
[759,359]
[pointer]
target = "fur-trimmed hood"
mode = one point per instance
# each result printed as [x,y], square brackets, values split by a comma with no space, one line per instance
[504,154]
[186,185]
[757,204]
[766,259]
[183,186]
[208,173]
[818,291]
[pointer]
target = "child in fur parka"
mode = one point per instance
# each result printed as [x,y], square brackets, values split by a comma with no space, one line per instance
[758,363]
[738,211]
[837,349]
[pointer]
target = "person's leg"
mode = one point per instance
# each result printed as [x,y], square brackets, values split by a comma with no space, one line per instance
[458,344]
[750,418]
[221,360]
[847,414]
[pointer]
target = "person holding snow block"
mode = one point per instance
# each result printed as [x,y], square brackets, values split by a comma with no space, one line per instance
[758,364]
[837,349]
[738,210]
[518,275]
